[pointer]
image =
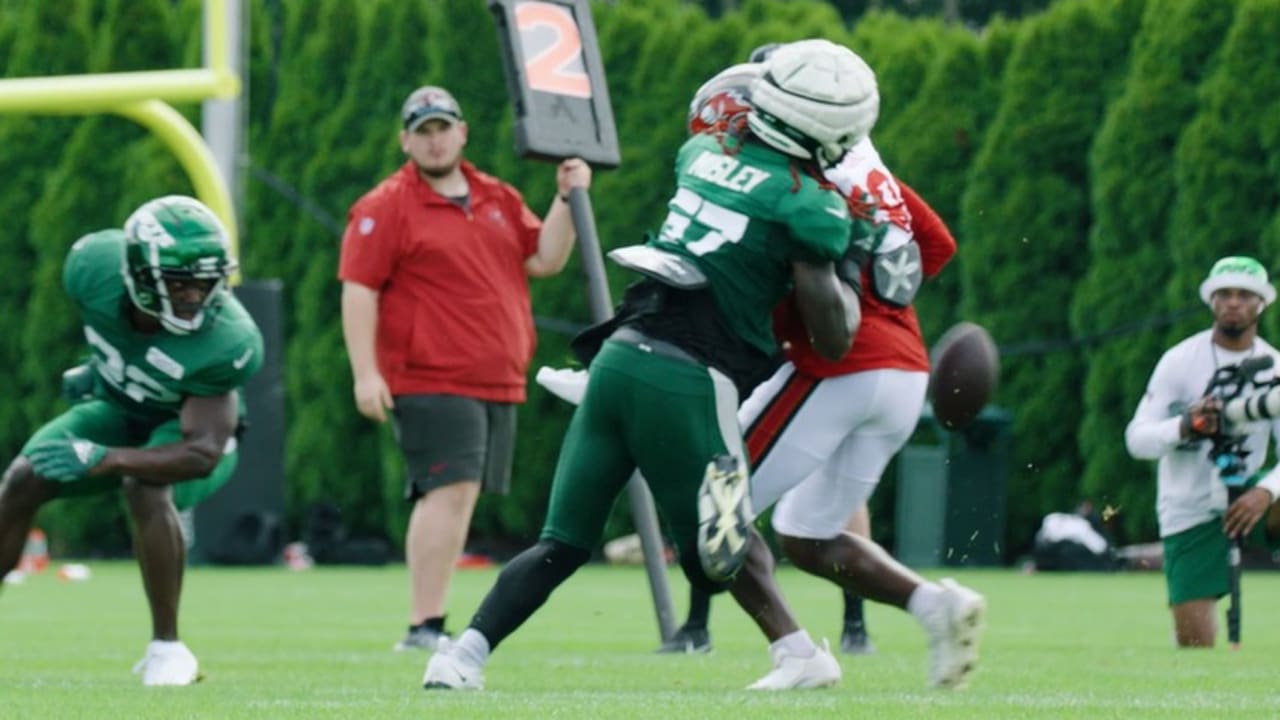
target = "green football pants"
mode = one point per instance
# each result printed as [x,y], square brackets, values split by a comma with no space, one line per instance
[665,416]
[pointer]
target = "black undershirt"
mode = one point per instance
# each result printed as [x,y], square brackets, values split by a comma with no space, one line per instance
[462,201]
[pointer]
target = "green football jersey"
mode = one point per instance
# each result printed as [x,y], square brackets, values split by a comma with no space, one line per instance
[743,216]
[151,374]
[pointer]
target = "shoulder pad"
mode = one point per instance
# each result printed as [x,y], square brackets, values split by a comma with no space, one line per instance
[896,275]
[667,268]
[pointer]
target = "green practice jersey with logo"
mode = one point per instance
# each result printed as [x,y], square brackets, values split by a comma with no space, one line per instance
[151,374]
[743,216]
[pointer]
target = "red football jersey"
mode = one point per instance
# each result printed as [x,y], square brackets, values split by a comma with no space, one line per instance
[889,337]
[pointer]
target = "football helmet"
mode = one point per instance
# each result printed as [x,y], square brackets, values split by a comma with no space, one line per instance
[814,100]
[722,103]
[175,238]
[763,52]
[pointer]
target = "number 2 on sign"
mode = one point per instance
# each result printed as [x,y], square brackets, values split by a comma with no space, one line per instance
[555,67]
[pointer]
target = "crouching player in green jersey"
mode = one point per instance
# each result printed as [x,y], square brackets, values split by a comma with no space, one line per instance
[751,219]
[156,408]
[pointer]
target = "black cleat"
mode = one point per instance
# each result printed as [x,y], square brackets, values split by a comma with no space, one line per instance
[688,641]
[854,639]
[420,638]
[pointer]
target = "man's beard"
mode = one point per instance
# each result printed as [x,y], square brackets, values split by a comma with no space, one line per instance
[1235,331]
[439,172]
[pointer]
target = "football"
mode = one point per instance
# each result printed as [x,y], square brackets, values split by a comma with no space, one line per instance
[964,368]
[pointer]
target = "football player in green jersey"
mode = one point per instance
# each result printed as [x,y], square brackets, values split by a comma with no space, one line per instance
[751,219]
[156,408]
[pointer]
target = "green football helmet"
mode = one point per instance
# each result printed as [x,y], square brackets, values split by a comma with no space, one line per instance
[176,239]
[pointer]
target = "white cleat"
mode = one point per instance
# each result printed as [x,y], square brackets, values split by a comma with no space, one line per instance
[724,518]
[955,628]
[448,670]
[792,672]
[167,663]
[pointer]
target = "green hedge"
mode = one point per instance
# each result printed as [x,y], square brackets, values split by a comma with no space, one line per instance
[1024,218]
[1227,188]
[1132,193]
[1091,160]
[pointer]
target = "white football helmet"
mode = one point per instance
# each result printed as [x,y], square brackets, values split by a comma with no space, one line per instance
[814,100]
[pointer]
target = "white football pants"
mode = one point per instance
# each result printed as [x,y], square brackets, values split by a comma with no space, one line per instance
[819,445]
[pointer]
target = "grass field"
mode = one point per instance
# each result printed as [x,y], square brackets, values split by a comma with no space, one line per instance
[276,644]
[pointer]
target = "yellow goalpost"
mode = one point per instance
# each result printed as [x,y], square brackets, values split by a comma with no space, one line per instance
[144,97]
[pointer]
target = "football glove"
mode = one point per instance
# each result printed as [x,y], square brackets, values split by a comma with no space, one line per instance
[65,460]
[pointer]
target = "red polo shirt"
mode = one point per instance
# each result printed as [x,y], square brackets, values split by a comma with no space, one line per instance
[453,309]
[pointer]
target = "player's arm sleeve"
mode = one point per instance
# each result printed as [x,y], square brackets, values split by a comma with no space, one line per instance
[1271,481]
[84,269]
[937,246]
[371,242]
[819,224]
[231,374]
[71,268]
[1154,432]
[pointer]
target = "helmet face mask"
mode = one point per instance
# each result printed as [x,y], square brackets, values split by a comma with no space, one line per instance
[791,141]
[175,245]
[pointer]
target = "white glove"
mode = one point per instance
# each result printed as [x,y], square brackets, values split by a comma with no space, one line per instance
[568,385]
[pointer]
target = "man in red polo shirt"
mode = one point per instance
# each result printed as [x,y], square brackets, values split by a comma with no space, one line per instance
[436,318]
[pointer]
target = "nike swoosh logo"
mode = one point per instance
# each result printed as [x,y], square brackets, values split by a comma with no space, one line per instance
[838,212]
[243,359]
[83,449]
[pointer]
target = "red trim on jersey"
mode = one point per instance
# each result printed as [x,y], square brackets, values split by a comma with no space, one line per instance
[775,416]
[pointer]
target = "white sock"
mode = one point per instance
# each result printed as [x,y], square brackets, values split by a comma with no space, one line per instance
[797,643]
[923,600]
[473,646]
[165,644]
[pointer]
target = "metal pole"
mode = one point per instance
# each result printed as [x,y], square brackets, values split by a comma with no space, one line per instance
[1234,560]
[643,513]
[951,11]
[222,121]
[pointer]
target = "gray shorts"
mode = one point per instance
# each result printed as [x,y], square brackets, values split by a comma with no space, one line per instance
[447,439]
